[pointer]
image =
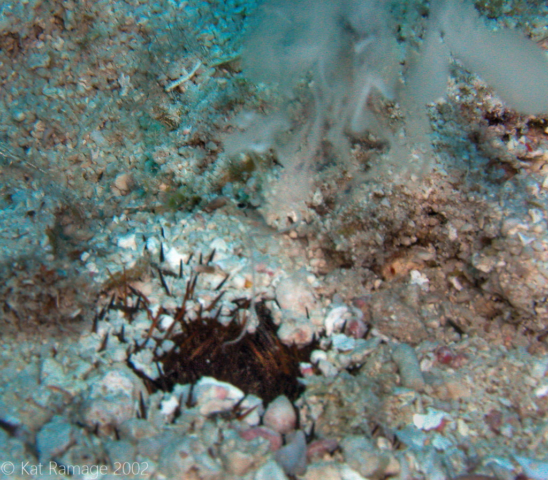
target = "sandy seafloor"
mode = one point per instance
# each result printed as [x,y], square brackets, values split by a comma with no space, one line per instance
[426,296]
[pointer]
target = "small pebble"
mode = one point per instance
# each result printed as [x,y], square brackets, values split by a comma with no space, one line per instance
[408,365]
[280,415]
[292,456]
[272,436]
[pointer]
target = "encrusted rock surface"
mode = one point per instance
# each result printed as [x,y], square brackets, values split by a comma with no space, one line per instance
[409,318]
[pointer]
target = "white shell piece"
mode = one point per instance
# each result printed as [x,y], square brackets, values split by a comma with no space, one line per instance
[153,245]
[541,391]
[417,278]
[174,258]
[452,233]
[169,405]
[128,241]
[428,421]
[348,473]
[456,284]
[166,321]
[335,319]
[238,281]
[317,355]
[92,267]
[219,245]
[463,428]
